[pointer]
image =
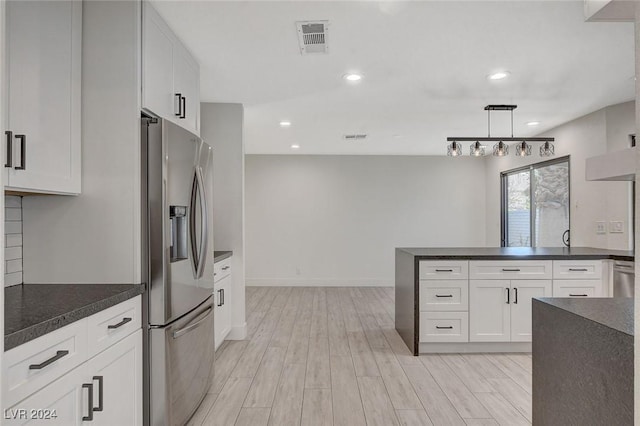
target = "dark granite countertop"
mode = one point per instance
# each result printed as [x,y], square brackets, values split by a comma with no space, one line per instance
[517,253]
[33,310]
[615,313]
[221,255]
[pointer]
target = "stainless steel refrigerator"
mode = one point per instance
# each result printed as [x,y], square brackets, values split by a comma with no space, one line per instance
[179,305]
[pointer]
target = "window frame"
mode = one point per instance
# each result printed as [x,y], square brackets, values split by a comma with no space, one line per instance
[504,222]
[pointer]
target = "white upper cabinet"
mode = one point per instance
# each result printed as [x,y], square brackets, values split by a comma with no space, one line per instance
[170,74]
[42,138]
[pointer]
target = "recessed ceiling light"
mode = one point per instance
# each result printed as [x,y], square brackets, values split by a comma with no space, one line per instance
[533,123]
[285,124]
[295,146]
[499,75]
[352,77]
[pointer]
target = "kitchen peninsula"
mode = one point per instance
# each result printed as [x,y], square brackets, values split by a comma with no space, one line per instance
[478,299]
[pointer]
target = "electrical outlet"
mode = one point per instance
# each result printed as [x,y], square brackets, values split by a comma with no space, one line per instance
[601,227]
[616,227]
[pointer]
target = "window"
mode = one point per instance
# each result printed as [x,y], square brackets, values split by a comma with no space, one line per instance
[535,204]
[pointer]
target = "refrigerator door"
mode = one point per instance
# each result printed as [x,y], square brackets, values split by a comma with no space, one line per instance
[181,366]
[178,221]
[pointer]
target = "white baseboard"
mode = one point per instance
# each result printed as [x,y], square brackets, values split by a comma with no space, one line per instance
[237,332]
[474,347]
[317,282]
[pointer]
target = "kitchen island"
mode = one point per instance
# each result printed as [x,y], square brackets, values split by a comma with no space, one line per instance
[478,299]
[583,361]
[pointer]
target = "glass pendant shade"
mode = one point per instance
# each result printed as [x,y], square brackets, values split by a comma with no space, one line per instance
[454,149]
[523,149]
[476,150]
[547,150]
[500,149]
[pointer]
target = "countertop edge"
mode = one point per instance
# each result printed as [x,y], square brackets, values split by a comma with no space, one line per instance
[222,255]
[25,335]
[493,254]
[548,303]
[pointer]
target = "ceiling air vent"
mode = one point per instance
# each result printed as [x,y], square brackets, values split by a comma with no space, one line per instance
[355,137]
[313,36]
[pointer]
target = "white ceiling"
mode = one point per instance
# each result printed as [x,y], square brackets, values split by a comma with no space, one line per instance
[424,65]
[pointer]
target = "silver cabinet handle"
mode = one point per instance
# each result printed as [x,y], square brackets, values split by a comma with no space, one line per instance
[193,326]
[510,269]
[508,296]
[444,270]
[444,328]
[578,295]
[578,269]
[225,268]
[444,295]
[43,364]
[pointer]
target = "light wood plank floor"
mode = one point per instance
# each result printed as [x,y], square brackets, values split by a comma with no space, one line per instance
[331,356]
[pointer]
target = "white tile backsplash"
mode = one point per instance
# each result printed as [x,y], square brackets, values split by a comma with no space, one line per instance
[13,240]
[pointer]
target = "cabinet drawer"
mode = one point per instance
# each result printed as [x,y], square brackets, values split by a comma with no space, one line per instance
[578,288]
[35,364]
[444,326]
[221,269]
[445,295]
[510,270]
[111,325]
[577,269]
[444,269]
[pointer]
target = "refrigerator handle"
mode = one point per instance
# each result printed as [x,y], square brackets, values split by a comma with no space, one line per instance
[204,215]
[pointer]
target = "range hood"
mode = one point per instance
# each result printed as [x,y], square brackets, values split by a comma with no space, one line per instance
[617,165]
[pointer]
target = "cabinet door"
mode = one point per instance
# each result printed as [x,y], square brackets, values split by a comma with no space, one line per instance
[222,319]
[521,294]
[43,51]
[119,368]
[63,402]
[186,74]
[489,311]
[158,96]
[578,288]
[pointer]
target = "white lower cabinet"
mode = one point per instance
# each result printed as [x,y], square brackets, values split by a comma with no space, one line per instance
[444,327]
[222,287]
[522,293]
[578,288]
[116,376]
[222,320]
[500,310]
[106,390]
[71,377]
[62,402]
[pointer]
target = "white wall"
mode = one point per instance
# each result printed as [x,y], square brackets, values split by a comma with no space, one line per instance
[222,128]
[95,237]
[335,220]
[594,134]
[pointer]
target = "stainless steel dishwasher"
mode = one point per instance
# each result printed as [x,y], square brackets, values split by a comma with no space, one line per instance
[624,277]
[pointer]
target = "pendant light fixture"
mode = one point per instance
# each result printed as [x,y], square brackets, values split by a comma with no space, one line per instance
[501,147]
[476,150]
[547,150]
[454,149]
[523,149]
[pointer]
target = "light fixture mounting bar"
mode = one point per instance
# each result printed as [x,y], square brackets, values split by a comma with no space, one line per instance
[500,107]
[494,139]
